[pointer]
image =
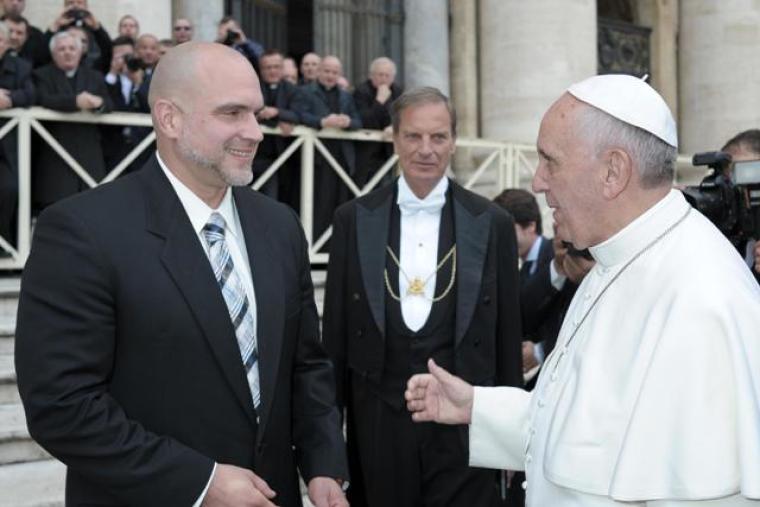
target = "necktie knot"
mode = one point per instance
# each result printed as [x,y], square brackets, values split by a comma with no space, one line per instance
[214,229]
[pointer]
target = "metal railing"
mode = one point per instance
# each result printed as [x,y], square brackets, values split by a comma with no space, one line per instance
[496,165]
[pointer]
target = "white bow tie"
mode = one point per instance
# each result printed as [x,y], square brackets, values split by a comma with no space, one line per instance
[431,204]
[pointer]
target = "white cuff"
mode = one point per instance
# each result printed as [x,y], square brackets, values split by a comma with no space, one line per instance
[557,280]
[499,427]
[205,490]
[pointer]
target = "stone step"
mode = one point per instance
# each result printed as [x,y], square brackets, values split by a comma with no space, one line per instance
[9,289]
[34,484]
[8,390]
[16,445]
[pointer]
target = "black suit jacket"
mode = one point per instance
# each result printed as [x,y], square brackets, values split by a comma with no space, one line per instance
[127,360]
[487,334]
[542,306]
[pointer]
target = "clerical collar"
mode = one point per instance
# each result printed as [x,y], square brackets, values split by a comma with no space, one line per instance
[432,203]
[642,231]
[71,73]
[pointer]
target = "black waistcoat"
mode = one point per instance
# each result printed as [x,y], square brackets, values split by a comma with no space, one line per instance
[406,351]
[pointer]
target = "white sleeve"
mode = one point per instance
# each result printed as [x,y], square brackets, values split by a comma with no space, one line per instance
[205,490]
[499,427]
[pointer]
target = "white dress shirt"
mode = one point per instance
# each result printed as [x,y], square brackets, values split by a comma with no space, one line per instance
[199,213]
[418,245]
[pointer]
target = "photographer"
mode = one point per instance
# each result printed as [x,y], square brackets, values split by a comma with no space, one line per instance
[122,82]
[743,147]
[229,33]
[98,48]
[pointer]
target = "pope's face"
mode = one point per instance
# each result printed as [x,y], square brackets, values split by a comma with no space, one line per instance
[568,173]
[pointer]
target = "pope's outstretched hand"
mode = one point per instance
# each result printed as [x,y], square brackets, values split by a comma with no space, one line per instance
[439,396]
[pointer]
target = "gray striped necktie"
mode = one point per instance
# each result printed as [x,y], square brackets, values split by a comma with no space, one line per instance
[236,299]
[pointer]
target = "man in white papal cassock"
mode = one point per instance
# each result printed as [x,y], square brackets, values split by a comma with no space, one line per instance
[651,397]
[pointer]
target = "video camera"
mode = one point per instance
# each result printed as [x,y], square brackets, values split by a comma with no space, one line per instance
[732,202]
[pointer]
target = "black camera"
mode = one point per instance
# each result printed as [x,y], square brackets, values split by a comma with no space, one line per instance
[231,38]
[78,16]
[133,63]
[730,201]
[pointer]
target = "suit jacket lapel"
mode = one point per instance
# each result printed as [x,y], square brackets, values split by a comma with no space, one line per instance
[472,228]
[372,237]
[188,265]
[270,298]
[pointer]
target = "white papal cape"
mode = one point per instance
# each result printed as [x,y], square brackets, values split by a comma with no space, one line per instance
[656,400]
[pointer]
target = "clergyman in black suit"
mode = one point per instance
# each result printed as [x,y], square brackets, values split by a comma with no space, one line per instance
[419,269]
[167,345]
[67,85]
[373,99]
[279,98]
[323,104]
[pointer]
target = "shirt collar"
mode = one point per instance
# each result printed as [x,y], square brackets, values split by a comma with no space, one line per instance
[198,211]
[432,203]
[534,250]
[643,230]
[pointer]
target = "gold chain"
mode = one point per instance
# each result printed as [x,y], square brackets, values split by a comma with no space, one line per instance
[417,286]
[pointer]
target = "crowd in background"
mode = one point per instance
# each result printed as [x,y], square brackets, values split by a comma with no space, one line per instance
[76,65]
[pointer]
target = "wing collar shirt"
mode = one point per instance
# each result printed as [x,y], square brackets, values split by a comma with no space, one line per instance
[654,402]
[199,213]
[420,224]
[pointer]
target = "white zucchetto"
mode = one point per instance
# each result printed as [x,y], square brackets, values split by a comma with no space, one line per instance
[630,100]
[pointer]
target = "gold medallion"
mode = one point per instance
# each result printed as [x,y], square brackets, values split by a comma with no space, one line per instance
[416,287]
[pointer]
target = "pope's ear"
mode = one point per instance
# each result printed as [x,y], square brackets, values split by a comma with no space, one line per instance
[167,118]
[618,170]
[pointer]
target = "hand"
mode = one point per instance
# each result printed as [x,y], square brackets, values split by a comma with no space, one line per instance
[388,132]
[326,492]
[5,99]
[87,101]
[286,128]
[757,256]
[439,396]
[91,21]
[344,121]
[62,20]
[237,487]
[576,268]
[529,356]
[383,93]
[331,121]
[267,113]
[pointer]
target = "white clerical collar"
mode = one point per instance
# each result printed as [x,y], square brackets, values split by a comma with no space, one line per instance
[198,211]
[642,231]
[534,250]
[432,203]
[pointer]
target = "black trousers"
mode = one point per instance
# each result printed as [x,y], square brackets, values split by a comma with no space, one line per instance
[408,464]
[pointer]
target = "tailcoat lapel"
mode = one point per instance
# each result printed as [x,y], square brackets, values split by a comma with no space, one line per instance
[372,221]
[188,265]
[270,297]
[472,228]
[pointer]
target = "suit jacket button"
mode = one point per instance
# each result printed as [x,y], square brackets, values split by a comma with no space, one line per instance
[356,296]
[359,333]
[486,299]
[477,342]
